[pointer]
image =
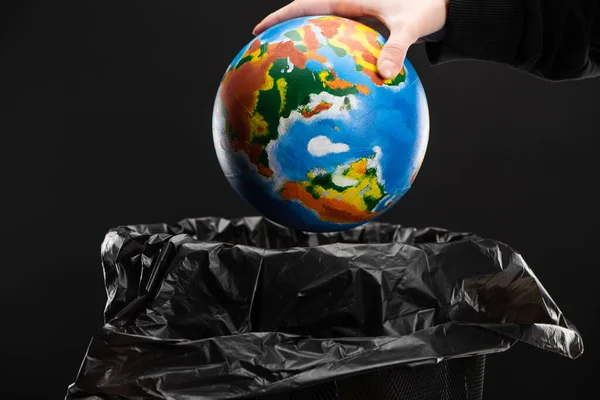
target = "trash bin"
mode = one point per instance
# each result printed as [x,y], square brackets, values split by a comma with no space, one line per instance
[211,308]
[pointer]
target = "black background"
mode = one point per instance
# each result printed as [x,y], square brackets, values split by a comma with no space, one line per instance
[105,120]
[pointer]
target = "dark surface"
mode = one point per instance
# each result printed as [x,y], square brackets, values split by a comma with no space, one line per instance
[89,88]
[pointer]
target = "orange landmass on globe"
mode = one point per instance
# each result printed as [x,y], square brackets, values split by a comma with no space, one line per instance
[328,209]
[333,203]
[337,83]
[322,106]
[311,41]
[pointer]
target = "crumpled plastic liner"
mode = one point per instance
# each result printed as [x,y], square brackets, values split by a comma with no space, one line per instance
[211,308]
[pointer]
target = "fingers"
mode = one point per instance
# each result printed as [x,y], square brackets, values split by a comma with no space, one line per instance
[298,8]
[392,56]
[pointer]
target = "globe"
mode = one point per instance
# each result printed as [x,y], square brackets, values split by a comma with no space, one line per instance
[308,133]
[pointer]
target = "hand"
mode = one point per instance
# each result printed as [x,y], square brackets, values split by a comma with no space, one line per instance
[407,21]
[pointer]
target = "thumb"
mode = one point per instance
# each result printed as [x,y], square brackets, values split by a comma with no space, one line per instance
[391,58]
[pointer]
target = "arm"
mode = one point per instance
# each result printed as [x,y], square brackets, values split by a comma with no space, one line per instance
[551,39]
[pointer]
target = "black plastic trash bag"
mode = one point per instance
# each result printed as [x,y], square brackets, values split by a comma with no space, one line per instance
[220,309]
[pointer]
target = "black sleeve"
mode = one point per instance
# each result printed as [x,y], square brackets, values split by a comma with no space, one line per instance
[552,39]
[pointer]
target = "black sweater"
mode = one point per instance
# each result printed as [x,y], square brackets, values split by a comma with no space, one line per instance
[552,39]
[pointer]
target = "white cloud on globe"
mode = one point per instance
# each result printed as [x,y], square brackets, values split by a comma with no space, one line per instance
[321,146]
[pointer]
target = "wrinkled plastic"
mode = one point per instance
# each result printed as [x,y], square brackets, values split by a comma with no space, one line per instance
[220,309]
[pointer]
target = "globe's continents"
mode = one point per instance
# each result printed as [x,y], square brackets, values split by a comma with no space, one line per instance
[309,134]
